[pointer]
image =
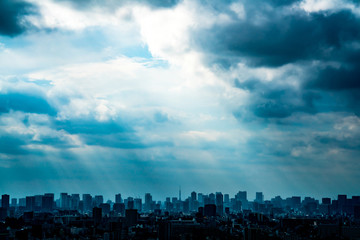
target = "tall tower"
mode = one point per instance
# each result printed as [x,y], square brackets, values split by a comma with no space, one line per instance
[179,193]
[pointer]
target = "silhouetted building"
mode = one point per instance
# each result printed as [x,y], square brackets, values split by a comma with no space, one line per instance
[227,210]
[119,208]
[210,210]
[138,204]
[87,202]
[98,199]
[326,201]
[118,198]
[295,202]
[211,198]
[97,215]
[259,198]
[3,213]
[105,208]
[75,201]
[186,205]
[30,203]
[148,202]
[219,203]
[130,203]
[242,197]
[357,212]
[5,201]
[64,201]
[38,201]
[47,202]
[164,231]
[226,199]
[131,216]
[13,202]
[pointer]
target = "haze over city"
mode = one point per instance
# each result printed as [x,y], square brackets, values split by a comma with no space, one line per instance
[103,97]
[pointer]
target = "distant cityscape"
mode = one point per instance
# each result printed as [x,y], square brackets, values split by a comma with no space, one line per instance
[198,216]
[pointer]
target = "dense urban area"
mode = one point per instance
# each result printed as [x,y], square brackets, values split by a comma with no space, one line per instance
[199,216]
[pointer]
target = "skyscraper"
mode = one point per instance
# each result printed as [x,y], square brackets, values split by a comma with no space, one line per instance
[99,199]
[64,201]
[47,202]
[148,202]
[118,198]
[5,201]
[259,197]
[242,197]
[138,204]
[13,202]
[219,203]
[87,202]
[75,201]
[30,203]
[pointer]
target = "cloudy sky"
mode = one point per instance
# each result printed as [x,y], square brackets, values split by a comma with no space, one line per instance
[143,96]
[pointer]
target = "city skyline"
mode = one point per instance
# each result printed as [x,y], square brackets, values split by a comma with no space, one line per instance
[143,96]
[249,196]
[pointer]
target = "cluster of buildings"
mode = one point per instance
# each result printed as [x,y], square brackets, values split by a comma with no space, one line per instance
[199,216]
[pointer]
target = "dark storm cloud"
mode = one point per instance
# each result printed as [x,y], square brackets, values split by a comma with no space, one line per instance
[25,103]
[272,35]
[271,100]
[282,38]
[337,79]
[12,14]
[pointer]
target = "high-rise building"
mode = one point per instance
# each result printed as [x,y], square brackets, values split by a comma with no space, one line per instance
[97,215]
[193,202]
[226,198]
[38,201]
[193,196]
[99,199]
[105,208]
[259,197]
[326,201]
[210,210]
[138,204]
[64,201]
[118,198]
[13,202]
[131,217]
[5,201]
[22,202]
[130,203]
[148,202]
[200,198]
[212,198]
[75,201]
[87,202]
[47,202]
[341,202]
[296,201]
[219,203]
[119,208]
[242,197]
[30,203]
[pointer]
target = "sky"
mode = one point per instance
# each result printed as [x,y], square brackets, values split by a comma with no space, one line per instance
[130,97]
